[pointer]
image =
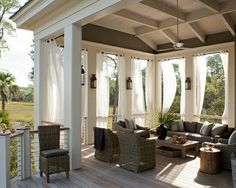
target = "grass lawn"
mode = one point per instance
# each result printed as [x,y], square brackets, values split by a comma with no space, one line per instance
[21,111]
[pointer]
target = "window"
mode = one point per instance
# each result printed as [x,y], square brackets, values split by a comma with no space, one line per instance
[211,87]
[214,98]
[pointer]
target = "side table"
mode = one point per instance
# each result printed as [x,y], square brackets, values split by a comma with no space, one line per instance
[209,160]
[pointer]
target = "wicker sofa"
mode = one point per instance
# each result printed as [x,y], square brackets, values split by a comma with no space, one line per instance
[136,153]
[192,132]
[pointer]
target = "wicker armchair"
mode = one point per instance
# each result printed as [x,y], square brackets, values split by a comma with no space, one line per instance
[136,153]
[52,159]
[225,154]
[110,153]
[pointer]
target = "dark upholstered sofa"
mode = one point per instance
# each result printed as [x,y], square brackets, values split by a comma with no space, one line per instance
[192,131]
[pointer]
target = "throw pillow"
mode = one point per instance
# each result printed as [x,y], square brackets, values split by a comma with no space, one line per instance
[122,124]
[175,126]
[127,124]
[199,126]
[206,129]
[181,125]
[232,138]
[218,129]
[133,124]
[130,124]
[190,126]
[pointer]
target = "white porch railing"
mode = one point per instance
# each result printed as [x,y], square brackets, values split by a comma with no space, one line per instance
[23,149]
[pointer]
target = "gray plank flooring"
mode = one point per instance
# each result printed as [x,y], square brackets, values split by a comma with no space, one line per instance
[169,172]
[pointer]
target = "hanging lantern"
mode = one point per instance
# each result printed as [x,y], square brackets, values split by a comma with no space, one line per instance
[129,83]
[93,81]
[82,75]
[188,83]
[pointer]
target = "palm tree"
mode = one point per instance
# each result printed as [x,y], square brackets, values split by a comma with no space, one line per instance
[6,80]
[13,91]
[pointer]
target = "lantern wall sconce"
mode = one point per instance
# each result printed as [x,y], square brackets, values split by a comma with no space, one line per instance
[93,81]
[129,83]
[188,83]
[82,75]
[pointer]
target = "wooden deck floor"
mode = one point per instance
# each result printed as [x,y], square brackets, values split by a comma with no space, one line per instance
[169,172]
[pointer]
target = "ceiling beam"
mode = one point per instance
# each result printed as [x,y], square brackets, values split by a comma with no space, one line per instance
[226,7]
[173,39]
[137,18]
[228,23]
[149,42]
[211,5]
[197,31]
[164,8]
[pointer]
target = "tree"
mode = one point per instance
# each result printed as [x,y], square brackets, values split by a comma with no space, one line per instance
[6,80]
[31,73]
[13,91]
[6,26]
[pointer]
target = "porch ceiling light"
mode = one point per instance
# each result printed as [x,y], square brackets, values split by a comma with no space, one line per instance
[129,83]
[188,83]
[82,75]
[93,81]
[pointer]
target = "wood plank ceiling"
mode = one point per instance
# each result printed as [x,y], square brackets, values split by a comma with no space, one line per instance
[154,21]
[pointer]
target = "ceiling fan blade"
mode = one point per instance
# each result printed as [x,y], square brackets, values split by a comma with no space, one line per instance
[166,49]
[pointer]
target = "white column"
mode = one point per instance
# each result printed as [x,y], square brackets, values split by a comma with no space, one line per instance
[4,160]
[38,51]
[91,121]
[189,94]
[72,91]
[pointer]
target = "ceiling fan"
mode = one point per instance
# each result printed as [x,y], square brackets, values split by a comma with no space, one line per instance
[178,45]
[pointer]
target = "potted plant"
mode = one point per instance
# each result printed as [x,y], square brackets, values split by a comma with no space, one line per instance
[161,119]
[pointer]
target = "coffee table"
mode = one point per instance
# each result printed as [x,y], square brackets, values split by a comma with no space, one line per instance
[190,144]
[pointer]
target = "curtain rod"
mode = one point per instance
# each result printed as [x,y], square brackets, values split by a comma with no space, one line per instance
[141,58]
[110,53]
[209,53]
[167,59]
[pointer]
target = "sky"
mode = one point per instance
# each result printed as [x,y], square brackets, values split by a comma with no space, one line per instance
[16,60]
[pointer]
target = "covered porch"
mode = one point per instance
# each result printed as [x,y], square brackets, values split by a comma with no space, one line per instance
[121,28]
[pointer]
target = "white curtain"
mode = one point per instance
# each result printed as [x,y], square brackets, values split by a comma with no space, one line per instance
[122,103]
[102,106]
[181,63]
[84,92]
[200,63]
[225,59]
[84,95]
[149,86]
[159,87]
[169,84]
[137,91]
[150,92]
[53,97]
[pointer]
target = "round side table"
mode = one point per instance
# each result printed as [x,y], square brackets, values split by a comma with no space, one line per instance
[209,160]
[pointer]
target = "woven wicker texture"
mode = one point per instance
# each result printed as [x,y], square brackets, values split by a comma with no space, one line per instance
[111,149]
[49,138]
[136,153]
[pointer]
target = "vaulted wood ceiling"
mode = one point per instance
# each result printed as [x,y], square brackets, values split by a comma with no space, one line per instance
[154,21]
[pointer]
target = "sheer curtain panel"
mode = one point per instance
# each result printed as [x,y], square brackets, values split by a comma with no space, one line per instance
[169,85]
[102,107]
[200,64]
[225,61]
[122,108]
